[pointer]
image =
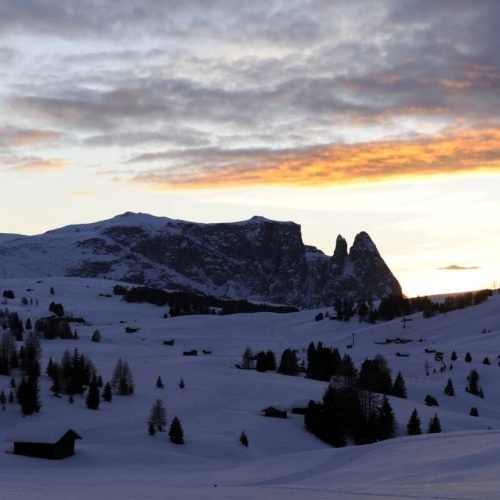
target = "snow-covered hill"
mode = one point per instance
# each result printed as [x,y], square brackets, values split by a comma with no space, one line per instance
[118,459]
[257,259]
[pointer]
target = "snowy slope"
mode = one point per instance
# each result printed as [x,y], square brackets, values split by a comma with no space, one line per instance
[118,459]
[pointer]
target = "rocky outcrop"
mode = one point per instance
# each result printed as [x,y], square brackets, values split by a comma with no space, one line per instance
[258,259]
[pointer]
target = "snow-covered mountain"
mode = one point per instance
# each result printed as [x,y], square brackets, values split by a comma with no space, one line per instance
[257,259]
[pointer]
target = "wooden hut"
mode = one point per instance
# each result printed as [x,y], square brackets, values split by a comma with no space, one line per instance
[44,441]
[273,412]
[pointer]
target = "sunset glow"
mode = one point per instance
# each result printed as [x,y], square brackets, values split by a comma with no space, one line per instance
[342,116]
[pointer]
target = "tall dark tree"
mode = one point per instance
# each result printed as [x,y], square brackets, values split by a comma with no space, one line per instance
[158,416]
[289,364]
[270,360]
[159,383]
[122,381]
[176,433]
[413,426]
[28,395]
[93,396]
[244,440]
[347,373]
[473,382]
[453,356]
[375,375]
[399,387]
[107,393]
[434,425]
[449,390]
[468,357]
[261,364]
[247,359]
[386,421]
[32,351]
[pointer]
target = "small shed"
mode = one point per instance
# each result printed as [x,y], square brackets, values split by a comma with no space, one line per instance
[44,440]
[274,412]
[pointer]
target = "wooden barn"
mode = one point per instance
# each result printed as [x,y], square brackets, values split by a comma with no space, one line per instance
[44,441]
[273,412]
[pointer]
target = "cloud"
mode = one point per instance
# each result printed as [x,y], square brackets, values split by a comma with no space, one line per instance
[263,92]
[454,267]
[14,137]
[82,193]
[459,152]
[35,163]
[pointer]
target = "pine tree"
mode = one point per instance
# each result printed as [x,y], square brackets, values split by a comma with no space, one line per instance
[453,356]
[434,425]
[151,429]
[122,381]
[288,363]
[28,395]
[386,421]
[473,380]
[3,398]
[176,433]
[158,416]
[247,359]
[96,336]
[93,396]
[468,358]
[271,361]
[413,425]
[399,387]
[107,393]
[159,383]
[449,390]
[244,439]
[473,412]
[182,384]
[261,365]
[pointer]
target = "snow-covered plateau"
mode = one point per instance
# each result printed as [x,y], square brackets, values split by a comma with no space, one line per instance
[118,459]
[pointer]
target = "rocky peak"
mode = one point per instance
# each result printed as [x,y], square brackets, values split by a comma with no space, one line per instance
[340,253]
[363,246]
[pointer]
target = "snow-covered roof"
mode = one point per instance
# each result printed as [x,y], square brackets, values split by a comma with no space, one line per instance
[39,433]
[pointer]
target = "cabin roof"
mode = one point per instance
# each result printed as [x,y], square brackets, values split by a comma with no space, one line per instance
[40,433]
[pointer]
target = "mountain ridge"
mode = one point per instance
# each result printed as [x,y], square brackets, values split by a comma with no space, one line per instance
[258,259]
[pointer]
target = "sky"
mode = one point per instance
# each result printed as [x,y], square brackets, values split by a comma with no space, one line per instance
[344,116]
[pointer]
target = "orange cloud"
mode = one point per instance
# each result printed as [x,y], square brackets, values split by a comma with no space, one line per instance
[40,164]
[459,152]
[29,137]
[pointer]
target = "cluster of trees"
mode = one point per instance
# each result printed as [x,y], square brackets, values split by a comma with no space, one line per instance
[355,405]
[414,425]
[350,412]
[266,361]
[54,328]
[8,294]
[157,422]
[186,303]
[11,321]
[397,305]
[27,359]
[323,363]
[72,374]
